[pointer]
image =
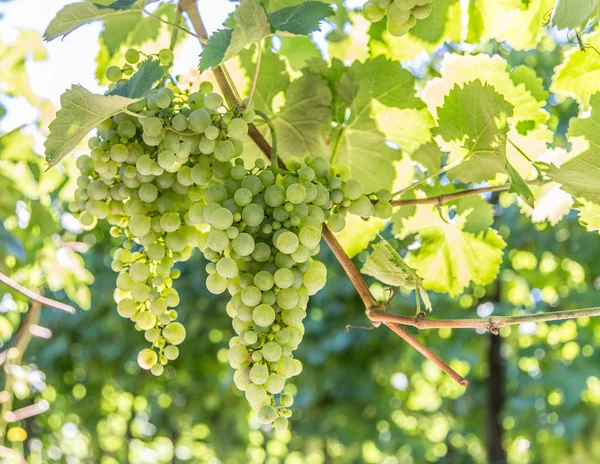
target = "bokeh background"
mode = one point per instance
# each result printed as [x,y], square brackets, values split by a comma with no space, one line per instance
[364,396]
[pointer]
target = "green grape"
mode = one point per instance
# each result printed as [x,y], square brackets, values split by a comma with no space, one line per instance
[145,320]
[148,193]
[336,222]
[171,352]
[152,126]
[237,355]
[237,128]
[286,400]
[362,207]
[132,56]
[158,306]
[372,12]
[267,414]
[227,268]
[139,225]
[126,307]
[147,358]
[126,129]
[243,244]
[271,352]
[295,193]
[243,197]
[383,209]
[287,298]
[174,333]
[263,315]
[253,215]
[261,252]
[421,11]
[163,101]
[259,374]
[216,284]
[212,133]
[287,242]
[252,183]
[263,280]
[170,222]
[113,73]
[165,57]
[309,236]
[213,101]
[280,424]
[397,30]
[167,161]
[206,87]
[314,279]
[224,150]
[284,278]
[139,272]
[276,383]
[199,120]
[256,394]
[221,219]
[207,146]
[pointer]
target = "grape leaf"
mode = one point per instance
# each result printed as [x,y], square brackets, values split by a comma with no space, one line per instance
[512,21]
[460,69]
[475,116]
[306,117]
[477,212]
[574,14]
[579,176]
[140,83]
[578,75]
[298,51]
[589,215]
[518,185]
[250,25]
[81,111]
[300,19]
[362,146]
[429,156]
[409,128]
[551,203]
[525,75]
[386,265]
[448,259]
[75,15]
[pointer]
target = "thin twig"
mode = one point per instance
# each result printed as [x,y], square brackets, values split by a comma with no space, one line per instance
[338,144]
[187,31]
[491,324]
[417,345]
[256,70]
[34,296]
[439,172]
[176,29]
[442,199]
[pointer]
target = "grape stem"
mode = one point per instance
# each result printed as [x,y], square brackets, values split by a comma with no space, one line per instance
[190,7]
[255,78]
[34,296]
[274,156]
[441,171]
[491,324]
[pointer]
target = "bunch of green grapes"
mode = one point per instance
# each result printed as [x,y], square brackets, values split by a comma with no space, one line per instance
[401,14]
[265,234]
[166,175]
[144,174]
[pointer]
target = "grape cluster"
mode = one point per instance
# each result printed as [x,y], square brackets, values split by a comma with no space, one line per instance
[166,175]
[146,175]
[402,15]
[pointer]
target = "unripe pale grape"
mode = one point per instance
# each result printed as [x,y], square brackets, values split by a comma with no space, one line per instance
[266,414]
[263,315]
[174,333]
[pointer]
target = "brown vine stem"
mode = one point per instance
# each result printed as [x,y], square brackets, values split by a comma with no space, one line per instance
[491,324]
[34,296]
[190,8]
[417,345]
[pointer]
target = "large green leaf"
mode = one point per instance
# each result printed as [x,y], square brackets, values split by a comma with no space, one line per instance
[474,116]
[81,111]
[516,22]
[518,185]
[432,28]
[306,117]
[362,146]
[574,14]
[140,83]
[578,75]
[579,176]
[75,15]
